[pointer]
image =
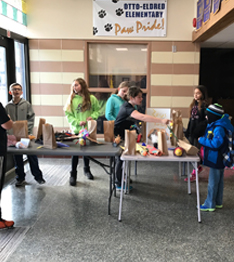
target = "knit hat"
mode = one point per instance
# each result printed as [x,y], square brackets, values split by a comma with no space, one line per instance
[214,112]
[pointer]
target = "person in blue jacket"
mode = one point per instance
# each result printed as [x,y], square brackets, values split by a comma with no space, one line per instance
[215,143]
[116,100]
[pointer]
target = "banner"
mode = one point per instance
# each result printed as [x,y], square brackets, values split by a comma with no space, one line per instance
[200,11]
[130,18]
[216,6]
[207,8]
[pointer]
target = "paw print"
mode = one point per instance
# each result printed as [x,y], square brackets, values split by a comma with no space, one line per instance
[108,27]
[115,1]
[119,11]
[102,13]
[95,30]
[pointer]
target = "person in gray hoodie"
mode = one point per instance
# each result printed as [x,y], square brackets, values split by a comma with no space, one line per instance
[20,109]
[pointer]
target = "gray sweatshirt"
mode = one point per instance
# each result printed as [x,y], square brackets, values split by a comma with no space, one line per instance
[21,111]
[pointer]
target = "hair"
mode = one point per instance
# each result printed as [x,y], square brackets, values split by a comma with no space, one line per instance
[86,104]
[134,91]
[15,84]
[203,99]
[122,85]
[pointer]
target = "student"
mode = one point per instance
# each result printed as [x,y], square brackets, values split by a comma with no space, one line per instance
[197,122]
[81,106]
[5,123]
[116,100]
[126,117]
[215,143]
[20,109]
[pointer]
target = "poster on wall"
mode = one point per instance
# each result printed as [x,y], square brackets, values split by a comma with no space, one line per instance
[130,18]
[207,9]
[161,113]
[200,12]
[216,6]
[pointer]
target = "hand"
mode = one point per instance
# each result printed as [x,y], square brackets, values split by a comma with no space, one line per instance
[89,118]
[166,121]
[82,123]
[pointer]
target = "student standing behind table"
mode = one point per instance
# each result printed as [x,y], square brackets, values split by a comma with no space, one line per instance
[197,122]
[81,107]
[5,123]
[116,100]
[126,117]
[20,109]
[215,143]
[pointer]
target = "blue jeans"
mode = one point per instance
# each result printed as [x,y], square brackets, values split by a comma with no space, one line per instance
[215,188]
[34,167]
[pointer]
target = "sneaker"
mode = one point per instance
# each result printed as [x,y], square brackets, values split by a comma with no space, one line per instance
[20,182]
[205,208]
[192,178]
[193,174]
[219,206]
[41,181]
[118,188]
[6,224]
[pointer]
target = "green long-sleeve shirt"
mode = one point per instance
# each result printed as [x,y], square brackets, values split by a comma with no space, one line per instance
[75,116]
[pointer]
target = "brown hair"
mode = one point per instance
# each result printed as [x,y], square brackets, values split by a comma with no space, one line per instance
[134,91]
[15,84]
[122,85]
[86,104]
[203,99]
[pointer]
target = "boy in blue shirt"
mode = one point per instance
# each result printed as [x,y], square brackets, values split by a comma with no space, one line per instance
[215,143]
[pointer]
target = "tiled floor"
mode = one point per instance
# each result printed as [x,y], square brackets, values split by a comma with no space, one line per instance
[57,222]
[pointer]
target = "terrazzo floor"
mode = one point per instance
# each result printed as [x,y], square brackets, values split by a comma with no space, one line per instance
[56,222]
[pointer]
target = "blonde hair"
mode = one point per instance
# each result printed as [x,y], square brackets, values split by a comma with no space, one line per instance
[122,85]
[86,104]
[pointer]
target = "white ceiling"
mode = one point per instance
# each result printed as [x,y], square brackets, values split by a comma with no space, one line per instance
[224,39]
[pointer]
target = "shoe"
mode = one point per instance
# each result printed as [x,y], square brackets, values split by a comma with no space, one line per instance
[205,208]
[20,182]
[72,181]
[193,174]
[88,173]
[219,206]
[118,188]
[192,178]
[41,181]
[6,224]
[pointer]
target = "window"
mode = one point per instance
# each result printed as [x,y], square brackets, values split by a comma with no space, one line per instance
[111,64]
[20,65]
[3,76]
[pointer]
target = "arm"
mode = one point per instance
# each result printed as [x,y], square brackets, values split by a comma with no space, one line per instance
[217,140]
[72,120]
[147,118]
[7,125]
[109,110]
[30,118]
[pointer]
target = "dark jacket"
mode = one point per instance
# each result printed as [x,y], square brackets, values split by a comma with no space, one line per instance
[216,142]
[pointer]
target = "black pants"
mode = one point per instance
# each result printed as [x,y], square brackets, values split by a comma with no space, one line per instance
[34,167]
[75,162]
[2,176]
[118,170]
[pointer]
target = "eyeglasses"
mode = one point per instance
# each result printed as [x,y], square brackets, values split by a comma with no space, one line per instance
[16,89]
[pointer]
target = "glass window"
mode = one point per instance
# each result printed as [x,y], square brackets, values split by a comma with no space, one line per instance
[3,76]
[111,64]
[20,65]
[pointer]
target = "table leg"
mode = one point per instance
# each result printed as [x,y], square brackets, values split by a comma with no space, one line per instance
[121,193]
[198,194]
[111,188]
[180,172]
[189,182]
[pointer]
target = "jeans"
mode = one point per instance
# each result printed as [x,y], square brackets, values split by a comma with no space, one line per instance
[34,167]
[215,188]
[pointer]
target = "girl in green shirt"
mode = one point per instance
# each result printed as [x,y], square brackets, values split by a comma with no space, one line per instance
[81,107]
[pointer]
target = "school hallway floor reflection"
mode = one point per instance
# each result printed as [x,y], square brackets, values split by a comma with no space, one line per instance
[57,222]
